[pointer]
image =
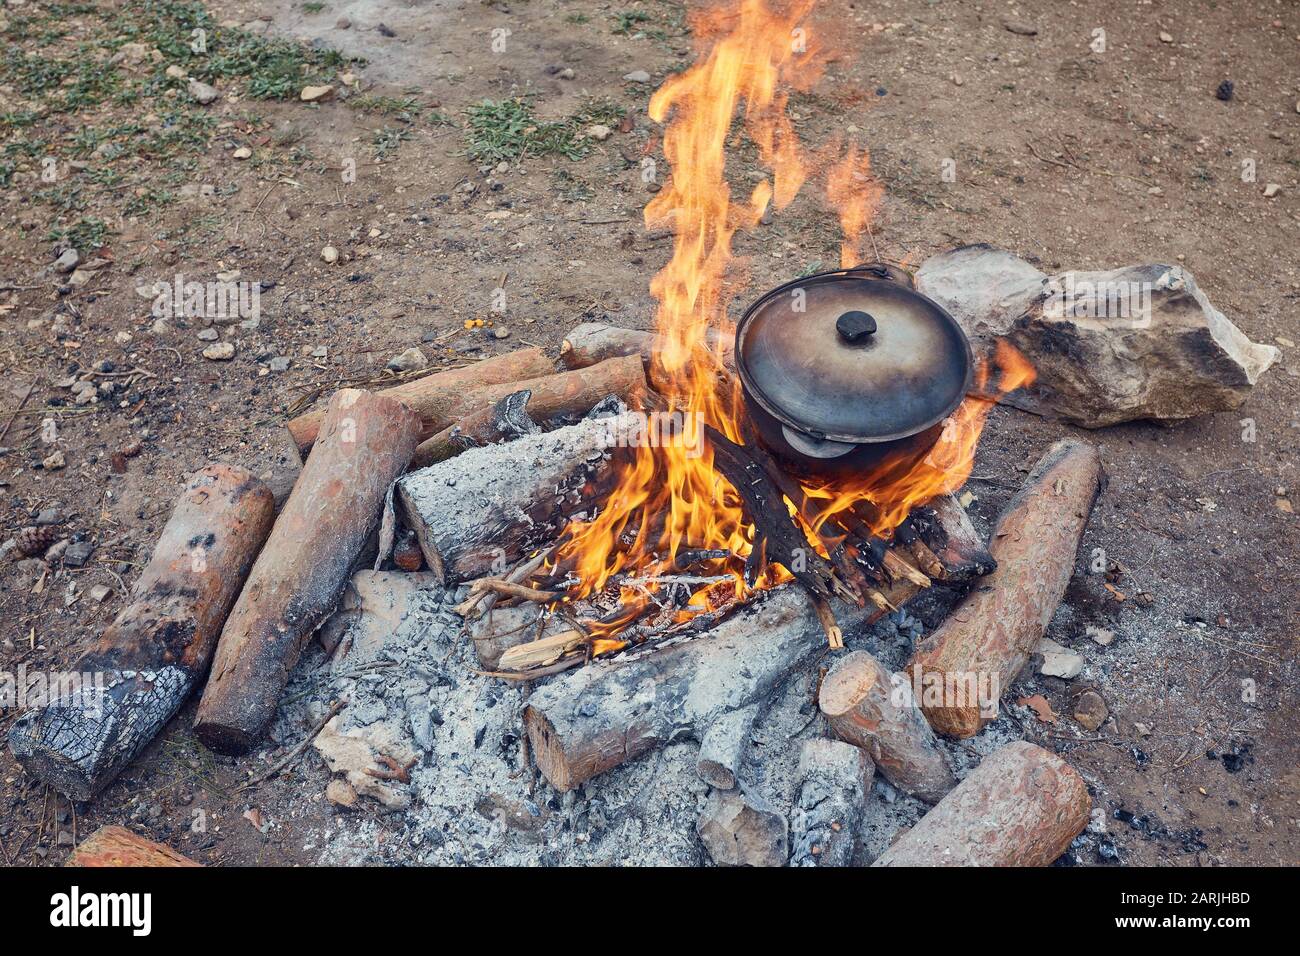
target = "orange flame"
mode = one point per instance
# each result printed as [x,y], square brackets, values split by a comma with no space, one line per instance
[668,496]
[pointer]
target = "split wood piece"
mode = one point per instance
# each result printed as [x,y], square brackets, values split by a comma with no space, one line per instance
[866,707]
[765,507]
[436,398]
[906,535]
[158,648]
[835,781]
[1022,806]
[597,717]
[565,393]
[948,530]
[594,342]
[506,627]
[976,654]
[723,746]
[542,652]
[365,443]
[118,846]
[490,506]
[899,569]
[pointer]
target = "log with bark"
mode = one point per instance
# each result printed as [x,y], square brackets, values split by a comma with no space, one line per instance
[594,342]
[438,398]
[491,419]
[118,846]
[963,667]
[865,707]
[365,443]
[835,779]
[483,510]
[158,648]
[1022,806]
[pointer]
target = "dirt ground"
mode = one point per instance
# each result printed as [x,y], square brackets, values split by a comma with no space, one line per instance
[1070,157]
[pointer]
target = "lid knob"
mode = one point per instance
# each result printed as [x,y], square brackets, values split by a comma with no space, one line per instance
[855,326]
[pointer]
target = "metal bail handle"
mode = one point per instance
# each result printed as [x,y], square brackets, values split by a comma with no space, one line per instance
[855,326]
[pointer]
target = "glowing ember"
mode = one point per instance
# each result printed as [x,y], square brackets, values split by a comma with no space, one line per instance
[669,498]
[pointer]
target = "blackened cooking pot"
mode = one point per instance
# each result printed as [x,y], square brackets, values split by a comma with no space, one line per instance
[843,369]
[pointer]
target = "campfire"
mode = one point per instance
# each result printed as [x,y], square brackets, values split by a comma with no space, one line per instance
[700,515]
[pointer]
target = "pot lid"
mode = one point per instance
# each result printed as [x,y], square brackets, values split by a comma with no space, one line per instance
[852,358]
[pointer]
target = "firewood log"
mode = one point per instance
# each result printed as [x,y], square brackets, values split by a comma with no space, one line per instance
[118,846]
[481,511]
[596,717]
[1022,806]
[975,655]
[574,392]
[437,398]
[953,539]
[835,779]
[158,648]
[865,707]
[594,342]
[365,443]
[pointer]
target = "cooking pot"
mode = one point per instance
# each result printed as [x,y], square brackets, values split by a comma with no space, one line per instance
[843,369]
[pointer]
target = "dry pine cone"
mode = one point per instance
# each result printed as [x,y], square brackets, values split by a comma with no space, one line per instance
[35,541]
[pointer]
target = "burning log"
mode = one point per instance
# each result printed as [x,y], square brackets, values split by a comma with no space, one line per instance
[574,392]
[982,646]
[595,718]
[118,846]
[723,745]
[486,508]
[836,778]
[765,507]
[364,445]
[865,707]
[1020,807]
[436,398]
[158,648]
[948,531]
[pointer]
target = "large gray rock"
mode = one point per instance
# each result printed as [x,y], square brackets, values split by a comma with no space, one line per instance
[740,829]
[1142,342]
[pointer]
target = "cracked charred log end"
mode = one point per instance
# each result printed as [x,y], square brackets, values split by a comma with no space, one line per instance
[1020,807]
[976,654]
[148,660]
[365,443]
[740,829]
[80,742]
[835,781]
[118,846]
[866,707]
[723,747]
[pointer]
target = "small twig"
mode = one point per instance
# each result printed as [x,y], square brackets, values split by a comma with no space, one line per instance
[296,751]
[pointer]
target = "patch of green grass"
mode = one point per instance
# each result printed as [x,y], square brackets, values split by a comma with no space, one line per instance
[406,106]
[577,18]
[85,235]
[387,140]
[627,21]
[313,7]
[507,129]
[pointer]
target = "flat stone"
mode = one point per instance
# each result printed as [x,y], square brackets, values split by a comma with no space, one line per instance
[1141,342]
[637,76]
[68,260]
[313,94]
[221,352]
[408,361]
[1090,710]
[740,829]
[1059,661]
[202,93]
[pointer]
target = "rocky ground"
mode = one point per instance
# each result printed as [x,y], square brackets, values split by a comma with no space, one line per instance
[1000,123]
